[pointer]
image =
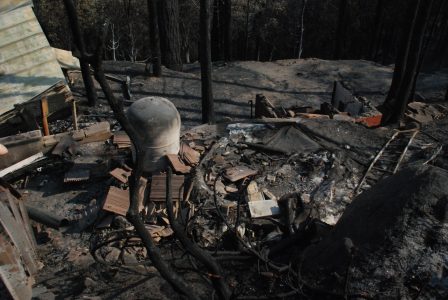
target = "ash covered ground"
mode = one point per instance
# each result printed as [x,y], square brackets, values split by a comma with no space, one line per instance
[327,242]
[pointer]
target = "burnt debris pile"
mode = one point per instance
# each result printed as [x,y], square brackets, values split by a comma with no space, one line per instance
[283,207]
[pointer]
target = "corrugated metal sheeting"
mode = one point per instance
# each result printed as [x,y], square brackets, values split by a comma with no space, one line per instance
[28,65]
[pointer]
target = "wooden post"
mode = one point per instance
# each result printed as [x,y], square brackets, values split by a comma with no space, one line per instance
[44,109]
[75,115]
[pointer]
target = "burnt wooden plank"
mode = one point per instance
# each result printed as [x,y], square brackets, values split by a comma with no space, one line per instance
[12,271]
[18,237]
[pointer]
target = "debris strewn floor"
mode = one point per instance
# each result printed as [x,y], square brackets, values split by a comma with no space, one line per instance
[307,202]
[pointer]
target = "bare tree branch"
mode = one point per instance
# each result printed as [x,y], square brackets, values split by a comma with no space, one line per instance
[133,214]
[205,258]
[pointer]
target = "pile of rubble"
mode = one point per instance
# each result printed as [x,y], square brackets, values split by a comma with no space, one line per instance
[262,191]
[313,202]
[265,196]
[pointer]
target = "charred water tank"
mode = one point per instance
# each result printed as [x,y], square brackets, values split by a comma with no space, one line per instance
[157,121]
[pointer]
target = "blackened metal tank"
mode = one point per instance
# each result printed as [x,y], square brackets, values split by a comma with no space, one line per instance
[157,121]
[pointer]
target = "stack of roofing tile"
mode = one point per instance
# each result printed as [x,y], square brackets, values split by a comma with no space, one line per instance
[121,140]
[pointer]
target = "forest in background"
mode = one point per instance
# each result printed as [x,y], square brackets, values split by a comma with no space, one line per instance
[260,29]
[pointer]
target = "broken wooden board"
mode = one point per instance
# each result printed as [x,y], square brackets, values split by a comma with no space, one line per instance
[20,146]
[16,120]
[99,131]
[120,174]
[189,155]
[264,107]
[96,133]
[13,274]
[16,232]
[253,193]
[239,172]
[263,208]
[312,116]
[17,205]
[30,143]
[424,112]
[177,164]
[158,188]
[21,138]
[63,145]
[157,232]
[21,164]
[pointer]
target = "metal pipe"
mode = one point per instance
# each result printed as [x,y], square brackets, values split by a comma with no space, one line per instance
[46,218]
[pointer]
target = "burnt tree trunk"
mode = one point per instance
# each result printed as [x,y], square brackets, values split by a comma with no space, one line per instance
[397,105]
[79,51]
[156,59]
[227,13]
[302,28]
[246,31]
[340,32]
[403,51]
[429,36]
[217,35]
[377,31]
[439,57]
[169,34]
[208,113]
